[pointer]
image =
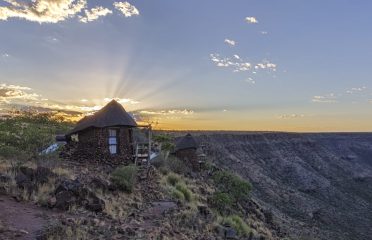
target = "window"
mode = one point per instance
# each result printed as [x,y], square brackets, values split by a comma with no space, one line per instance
[113,141]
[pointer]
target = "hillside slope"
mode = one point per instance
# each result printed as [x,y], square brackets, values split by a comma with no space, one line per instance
[319,186]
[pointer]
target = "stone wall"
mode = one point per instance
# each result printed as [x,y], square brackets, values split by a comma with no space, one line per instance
[93,147]
[189,156]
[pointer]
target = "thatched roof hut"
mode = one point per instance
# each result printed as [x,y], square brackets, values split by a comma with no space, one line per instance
[185,150]
[186,142]
[113,114]
[104,137]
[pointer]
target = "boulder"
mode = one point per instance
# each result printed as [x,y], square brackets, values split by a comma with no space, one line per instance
[230,233]
[23,181]
[69,185]
[73,192]
[203,210]
[64,200]
[95,204]
[99,183]
[28,172]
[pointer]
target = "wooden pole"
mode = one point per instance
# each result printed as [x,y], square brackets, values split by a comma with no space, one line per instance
[149,148]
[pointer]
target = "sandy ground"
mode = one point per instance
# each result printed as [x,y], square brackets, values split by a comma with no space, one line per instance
[21,220]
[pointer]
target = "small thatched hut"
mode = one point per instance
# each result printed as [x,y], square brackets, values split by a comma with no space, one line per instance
[186,149]
[104,137]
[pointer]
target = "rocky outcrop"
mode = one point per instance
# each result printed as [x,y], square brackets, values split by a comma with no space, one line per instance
[72,192]
[314,185]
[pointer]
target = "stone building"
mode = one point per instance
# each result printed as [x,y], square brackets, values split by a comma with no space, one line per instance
[104,137]
[186,150]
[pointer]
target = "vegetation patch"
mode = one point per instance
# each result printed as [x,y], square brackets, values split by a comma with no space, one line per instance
[25,135]
[178,188]
[125,177]
[237,188]
[238,224]
[185,191]
[222,202]
[173,179]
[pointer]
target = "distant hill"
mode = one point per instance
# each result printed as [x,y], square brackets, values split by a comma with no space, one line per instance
[318,186]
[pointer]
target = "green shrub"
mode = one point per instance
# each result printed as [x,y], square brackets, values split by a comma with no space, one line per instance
[173,179]
[222,202]
[185,191]
[177,194]
[165,140]
[28,133]
[125,177]
[235,186]
[163,170]
[238,224]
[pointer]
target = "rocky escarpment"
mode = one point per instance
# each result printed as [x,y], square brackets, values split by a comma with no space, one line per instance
[318,186]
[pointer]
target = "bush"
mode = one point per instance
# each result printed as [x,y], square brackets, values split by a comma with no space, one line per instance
[173,179]
[125,177]
[177,194]
[221,202]
[235,186]
[238,224]
[185,191]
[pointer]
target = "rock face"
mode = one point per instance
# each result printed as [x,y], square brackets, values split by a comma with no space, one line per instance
[72,192]
[317,185]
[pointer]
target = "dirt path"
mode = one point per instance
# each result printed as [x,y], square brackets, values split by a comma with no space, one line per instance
[21,220]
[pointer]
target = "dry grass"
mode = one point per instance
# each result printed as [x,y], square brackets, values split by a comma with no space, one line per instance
[60,171]
[119,206]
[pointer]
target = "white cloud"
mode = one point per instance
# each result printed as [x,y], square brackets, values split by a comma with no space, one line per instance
[328,98]
[291,116]
[250,81]
[264,32]
[10,93]
[234,62]
[42,11]
[356,90]
[126,8]
[251,20]
[5,55]
[121,100]
[168,112]
[265,64]
[238,65]
[230,42]
[236,56]
[94,14]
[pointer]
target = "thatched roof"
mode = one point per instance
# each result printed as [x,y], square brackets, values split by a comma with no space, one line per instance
[113,114]
[186,142]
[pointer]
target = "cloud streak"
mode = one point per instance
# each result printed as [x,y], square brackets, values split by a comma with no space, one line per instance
[290,116]
[94,13]
[237,64]
[42,11]
[328,98]
[126,9]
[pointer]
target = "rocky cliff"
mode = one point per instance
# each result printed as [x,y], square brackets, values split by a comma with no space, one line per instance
[318,186]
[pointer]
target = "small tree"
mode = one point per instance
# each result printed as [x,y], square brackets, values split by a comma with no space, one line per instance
[222,202]
[235,186]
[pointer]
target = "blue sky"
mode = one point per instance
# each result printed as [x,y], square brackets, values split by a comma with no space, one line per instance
[300,66]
